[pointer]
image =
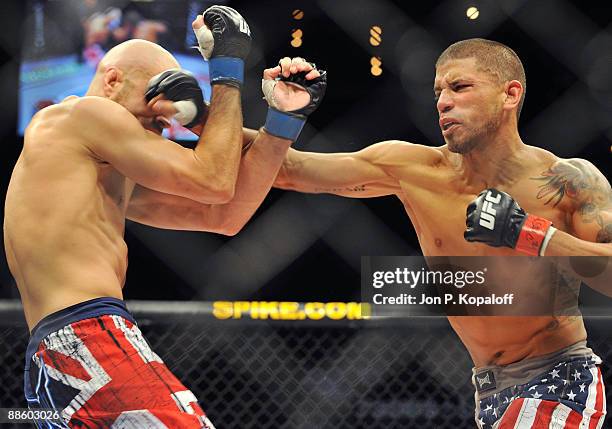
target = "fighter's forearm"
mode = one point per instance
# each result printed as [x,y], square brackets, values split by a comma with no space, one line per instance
[564,244]
[299,172]
[220,142]
[248,135]
[590,262]
[258,168]
[337,173]
[286,174]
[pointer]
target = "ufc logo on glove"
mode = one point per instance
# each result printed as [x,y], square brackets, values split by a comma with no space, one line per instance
[487,218]
[527,234]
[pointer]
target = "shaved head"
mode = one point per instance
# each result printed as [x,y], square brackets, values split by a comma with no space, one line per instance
[138,56]
[123,73]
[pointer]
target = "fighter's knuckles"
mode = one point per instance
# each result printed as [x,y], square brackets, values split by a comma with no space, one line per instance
[165,107]
[198,22]
[155,99]
[271,73]
[313,74]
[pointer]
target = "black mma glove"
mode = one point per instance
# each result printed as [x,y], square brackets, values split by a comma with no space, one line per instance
[288,125]
[225,41]
[494,218]
[181,87]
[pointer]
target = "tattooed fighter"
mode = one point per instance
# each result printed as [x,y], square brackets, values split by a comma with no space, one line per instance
[536,372]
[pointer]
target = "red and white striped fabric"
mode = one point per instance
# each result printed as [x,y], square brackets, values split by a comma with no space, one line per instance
[576,401]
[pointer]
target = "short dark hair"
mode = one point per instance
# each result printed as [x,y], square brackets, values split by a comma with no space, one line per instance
[494,57]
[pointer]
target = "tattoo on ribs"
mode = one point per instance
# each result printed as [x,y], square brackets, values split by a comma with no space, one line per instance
[581,182]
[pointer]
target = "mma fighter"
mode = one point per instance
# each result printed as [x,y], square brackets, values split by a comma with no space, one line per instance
[530,372]
[88,164]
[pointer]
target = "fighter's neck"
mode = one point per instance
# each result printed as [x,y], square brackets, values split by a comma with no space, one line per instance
[498,162]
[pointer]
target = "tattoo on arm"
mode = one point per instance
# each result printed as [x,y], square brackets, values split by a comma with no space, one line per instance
[358,188]
[582,183]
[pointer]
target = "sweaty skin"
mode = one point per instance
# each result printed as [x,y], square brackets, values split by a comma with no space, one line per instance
[436,184]
[89,163]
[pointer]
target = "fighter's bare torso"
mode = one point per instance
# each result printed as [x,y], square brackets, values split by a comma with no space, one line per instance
[64,217]
[435,195]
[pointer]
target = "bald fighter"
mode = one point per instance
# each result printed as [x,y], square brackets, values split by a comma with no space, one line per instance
[531,372]
[88,164]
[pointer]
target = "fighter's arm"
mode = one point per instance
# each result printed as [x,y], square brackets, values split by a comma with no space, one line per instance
[591,235]
[371,172]
[588,194]
[257,170]
[206,174]
[591,220]
[263,153]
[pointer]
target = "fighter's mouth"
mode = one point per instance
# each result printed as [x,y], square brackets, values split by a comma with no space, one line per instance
[447,123]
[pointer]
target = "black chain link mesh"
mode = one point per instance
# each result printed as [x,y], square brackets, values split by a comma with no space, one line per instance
[262,375]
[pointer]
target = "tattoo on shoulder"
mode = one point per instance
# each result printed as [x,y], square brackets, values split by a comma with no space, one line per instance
[358,188]
[605,234]
[581,182]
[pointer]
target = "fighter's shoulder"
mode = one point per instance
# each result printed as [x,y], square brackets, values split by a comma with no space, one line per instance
[570,168]
[97,120]
[399,150]
[98,110]
[578,179]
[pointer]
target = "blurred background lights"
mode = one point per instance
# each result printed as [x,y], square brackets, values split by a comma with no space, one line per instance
[375,35]
[376,64]
[296,38]
[472,12]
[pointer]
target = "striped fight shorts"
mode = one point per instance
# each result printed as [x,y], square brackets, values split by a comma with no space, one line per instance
[91,363]
[563,390]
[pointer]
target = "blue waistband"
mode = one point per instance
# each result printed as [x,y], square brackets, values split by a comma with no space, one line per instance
[81,311]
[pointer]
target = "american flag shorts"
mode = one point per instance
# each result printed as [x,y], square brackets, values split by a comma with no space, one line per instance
[570,395]
[98,371]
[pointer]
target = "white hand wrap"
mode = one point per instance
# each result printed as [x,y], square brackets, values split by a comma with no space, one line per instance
[267,86]
[205,40]
[187,111]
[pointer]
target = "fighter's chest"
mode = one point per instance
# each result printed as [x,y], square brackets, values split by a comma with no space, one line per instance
[438,214]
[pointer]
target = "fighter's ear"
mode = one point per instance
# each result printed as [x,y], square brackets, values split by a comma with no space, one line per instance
[112,78]
[514,92]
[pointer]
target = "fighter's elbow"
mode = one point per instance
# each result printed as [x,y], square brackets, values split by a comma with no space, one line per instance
[215,192]
[232,230]
[224,194]
[228,226]
[214,184]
